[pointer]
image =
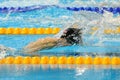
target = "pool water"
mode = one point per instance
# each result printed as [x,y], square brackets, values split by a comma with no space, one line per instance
[61,72]
[54,17]
[18,42]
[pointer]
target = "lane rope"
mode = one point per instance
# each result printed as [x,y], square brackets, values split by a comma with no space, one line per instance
[106,60]
[27,31]
[100,10]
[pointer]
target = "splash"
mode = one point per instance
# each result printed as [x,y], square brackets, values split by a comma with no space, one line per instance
[87,20]
[6,51]
[62,3]
[108,21]
[17,3]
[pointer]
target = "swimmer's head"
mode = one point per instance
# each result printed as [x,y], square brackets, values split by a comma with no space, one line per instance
[72,35]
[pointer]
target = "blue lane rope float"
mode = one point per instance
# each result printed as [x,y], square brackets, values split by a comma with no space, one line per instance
[101,10]
[21,9]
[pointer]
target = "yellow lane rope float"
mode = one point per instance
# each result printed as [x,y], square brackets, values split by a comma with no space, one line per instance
[29,30]
[26,31]
[107,31]
[62,60]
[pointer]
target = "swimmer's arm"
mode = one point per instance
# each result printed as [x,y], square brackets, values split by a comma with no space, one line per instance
[45,43]
[40,47]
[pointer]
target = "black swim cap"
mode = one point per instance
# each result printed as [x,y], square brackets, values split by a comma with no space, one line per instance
[72,35]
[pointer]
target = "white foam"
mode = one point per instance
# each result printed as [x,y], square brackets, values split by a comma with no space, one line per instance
[76,3]
[16,3]
[4,51]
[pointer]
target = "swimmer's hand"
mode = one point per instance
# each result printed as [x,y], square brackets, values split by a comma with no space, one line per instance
[41,44]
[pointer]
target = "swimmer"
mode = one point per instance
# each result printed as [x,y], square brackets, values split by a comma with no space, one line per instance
[70,36]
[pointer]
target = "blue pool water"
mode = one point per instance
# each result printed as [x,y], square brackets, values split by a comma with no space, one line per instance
[63,72]
[20,41]
[54,17]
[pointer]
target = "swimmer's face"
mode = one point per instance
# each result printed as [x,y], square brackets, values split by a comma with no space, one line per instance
[67,32]
[64,33]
